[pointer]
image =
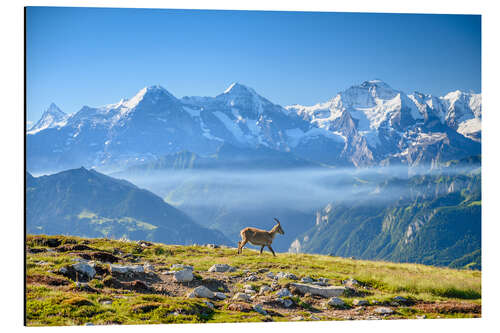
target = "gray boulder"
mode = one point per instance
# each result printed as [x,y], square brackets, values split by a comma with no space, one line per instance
[307,279]
[86,268]
[220,295]
[264,289]
[202,291]
[336,302]
[283,292]
[330,291]
[221,268]
[383,310]
[258,308]
[126,269]
[241,297]
[185,275]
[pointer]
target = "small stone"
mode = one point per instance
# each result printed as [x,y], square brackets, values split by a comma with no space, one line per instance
[250,291]
[307,279]
[220,295]
[210,305]
[265,289]
[221,268]
[400,299]
[204,292]
[247,286]
[298,318]
[422,317]
[149,267]
[85,268]
[285,302]
[336,302]
[330,291]
[383,310]
[360,302]
[313,317]
[107,302]
[284,292]
[185,275]
[271,275]
[251,278]
[241,297]
[191,294]
[258,308]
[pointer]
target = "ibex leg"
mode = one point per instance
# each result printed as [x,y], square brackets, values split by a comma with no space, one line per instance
[270,248]
[261,249]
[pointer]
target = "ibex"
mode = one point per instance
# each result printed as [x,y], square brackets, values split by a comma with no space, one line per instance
[259,237]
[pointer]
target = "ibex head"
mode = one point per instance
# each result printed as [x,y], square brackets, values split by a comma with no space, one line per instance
[279,229]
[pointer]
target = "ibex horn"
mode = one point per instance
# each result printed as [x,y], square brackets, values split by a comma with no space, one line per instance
[277,220]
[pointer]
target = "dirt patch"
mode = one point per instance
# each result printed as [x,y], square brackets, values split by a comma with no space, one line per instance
[73,247]
[145,308]
[240,307]
[44,241]
[136,285]
[47,280]
[99,256]
[449,307]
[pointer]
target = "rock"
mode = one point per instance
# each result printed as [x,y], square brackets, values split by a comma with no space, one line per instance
[149,267]
[247,286]
[307,279]
[321,282]
[421,317]
[221,268]
[263,270]
[181,266]
[401,299]
[286,275]
[298,318]
[284,292]
[313,317]
[360,302]
[241,297]
[220,295]
[191,294]
[258,308]
[251,278]
[250,291]
[210,305]
[126,269]
[85,268]
[264,289]
[271,275]
[330,291]
[107,302]
[212,246]
[383,310]
[185,275]
[351,283]
[202,291]
[275,285]
[242,307]
[336,302]
[144,243]
[285,302]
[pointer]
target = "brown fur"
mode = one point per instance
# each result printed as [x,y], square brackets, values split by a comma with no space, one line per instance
[259,237]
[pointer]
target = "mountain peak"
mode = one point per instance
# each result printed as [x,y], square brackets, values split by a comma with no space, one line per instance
[51,117]
[375,83]
[237,88]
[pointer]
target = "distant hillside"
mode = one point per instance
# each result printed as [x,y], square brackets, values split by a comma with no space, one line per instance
[87,203]
[437,222]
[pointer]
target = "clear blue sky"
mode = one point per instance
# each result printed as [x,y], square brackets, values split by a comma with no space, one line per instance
[90,56]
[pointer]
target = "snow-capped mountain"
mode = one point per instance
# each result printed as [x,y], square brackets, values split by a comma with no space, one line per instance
[51,117]
[386,125]
[367,124]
